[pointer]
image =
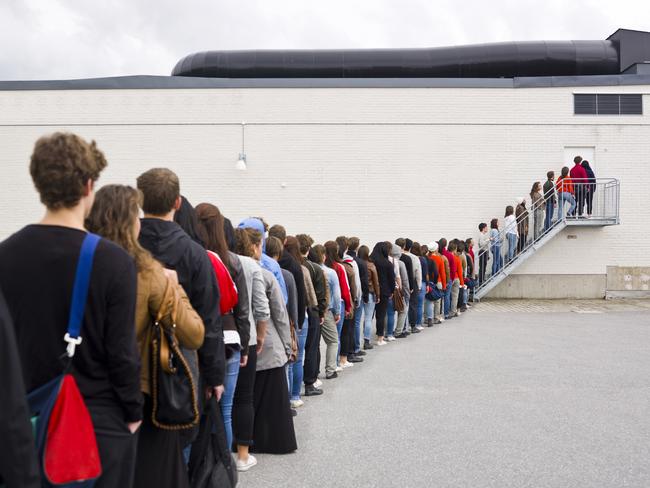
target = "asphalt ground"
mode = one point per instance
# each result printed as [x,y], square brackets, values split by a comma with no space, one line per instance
[555,397]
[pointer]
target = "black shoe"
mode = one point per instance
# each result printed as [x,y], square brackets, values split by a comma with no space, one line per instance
[367,345]
[415,331]
[311,390]
[294,412]
[331,376]
[406,332]
[354,359]
[403,335]
[360,353]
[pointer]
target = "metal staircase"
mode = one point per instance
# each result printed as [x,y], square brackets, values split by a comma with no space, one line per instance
[605,211]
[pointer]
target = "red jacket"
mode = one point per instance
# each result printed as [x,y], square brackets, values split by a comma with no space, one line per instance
[345,286]
[578,175]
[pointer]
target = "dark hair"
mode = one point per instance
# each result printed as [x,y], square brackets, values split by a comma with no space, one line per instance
[278,231]
[243,245]
[186,218]
[319,252]
[254,235]
[482,226]
[401,242]
[229,233]
[353,243]
[364,253]
[460,246]
[565,172]
[160,188]
[416,249]
[585,164]
[293,248]
[550,174]
[452,246]
[468,241]
[380,252]
[331,253]
[61,165]
[577,160]
[304,243]
[210,221]
[509,210]
[342,242]
[442,244]
[274,247]
[494,224]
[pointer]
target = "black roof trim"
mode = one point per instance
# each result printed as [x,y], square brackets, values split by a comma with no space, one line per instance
[144,82]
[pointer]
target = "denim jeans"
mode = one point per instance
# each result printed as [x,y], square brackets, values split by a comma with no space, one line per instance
[390,318]
[229,384]
[565,196]
[447,299]
[420,311]
[297,367]
[512,245]
[428,309]
[368,310]
[548,220]
[497,259]
[358,315]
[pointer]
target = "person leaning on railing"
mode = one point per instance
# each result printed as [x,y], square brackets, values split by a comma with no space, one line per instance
[565,190]
[549,198]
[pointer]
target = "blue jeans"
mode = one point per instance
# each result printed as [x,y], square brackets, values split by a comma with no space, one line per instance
[420,310]
[548,220]
[428,308]
[368,310]
[339,328]
[447,298]
[390,318]
[565,196]
[358,314]
[229,383]
[296,368]
[497,259]
[512,244]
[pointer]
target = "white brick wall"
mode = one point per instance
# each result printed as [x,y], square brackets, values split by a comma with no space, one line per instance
[379,163]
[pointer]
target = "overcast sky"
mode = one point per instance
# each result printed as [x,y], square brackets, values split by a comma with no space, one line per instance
[60,39]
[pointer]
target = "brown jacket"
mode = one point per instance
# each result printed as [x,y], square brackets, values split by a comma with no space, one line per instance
[373,279]
[158,293]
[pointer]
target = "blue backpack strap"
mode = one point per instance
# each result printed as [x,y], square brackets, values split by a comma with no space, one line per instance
[80,291]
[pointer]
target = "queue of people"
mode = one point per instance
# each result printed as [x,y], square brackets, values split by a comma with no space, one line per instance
[571,196]
[184,308]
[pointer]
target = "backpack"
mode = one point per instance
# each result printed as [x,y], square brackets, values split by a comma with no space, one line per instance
[227,289]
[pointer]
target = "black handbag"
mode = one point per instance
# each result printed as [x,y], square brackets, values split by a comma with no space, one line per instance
[433,293]
[211,464]
[173,388]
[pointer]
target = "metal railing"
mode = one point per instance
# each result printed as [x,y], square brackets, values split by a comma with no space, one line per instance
[600,206]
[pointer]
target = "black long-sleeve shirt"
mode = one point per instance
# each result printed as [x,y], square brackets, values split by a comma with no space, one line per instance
[409,271]
[37,272]
[363,275]
[288,262]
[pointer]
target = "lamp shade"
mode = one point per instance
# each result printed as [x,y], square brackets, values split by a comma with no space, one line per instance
[241,163]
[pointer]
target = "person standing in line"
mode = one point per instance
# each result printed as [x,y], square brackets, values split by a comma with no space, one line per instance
[496,239]
[315,316]
[332,315]
[273,429]
[386,276]
[417,284]
[391,314]
[549,199]
[363,285]
[456,279]
[512,232]
[565,191]
[243,415]
[580,182]
[43,257]
[416,250]
[400,325]
[352,272]
[115,216]
[483,251]
[590,187]
[440,282]
[374,295]
[521,215]
[333,261]
[537,200]
[450,270]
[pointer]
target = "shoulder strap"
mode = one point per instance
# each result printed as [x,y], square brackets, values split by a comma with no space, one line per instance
[80,291]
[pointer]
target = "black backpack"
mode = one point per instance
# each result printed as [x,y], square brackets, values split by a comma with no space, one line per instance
[211,462]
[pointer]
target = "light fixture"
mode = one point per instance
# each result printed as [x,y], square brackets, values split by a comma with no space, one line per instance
[241,162]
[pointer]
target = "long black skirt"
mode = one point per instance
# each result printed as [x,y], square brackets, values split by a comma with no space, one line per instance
[160,459]
[273,430]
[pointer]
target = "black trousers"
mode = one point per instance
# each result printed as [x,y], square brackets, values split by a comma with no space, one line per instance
[589,198]
[482,266]
[312,358]
[580,198]
[380,315]
[347,337]
[243,414]
[413,308]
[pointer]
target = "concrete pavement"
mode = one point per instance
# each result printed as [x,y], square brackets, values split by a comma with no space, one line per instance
[489,399]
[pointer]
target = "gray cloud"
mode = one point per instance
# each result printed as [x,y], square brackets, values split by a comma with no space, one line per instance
[57,39]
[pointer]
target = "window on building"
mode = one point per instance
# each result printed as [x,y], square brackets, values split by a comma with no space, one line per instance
[607,104]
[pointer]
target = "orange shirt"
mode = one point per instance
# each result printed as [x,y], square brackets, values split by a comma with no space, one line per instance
[459,270]
[564,185]
[440,264]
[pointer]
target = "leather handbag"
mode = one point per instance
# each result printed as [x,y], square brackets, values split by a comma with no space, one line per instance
[398,300]
[173,387]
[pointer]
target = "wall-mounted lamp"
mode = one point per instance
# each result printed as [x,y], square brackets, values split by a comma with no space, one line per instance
[241,162]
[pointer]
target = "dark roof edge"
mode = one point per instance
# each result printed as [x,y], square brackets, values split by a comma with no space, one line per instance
[141,82]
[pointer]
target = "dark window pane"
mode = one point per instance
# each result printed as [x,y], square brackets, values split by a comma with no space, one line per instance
[608,104]
[631,105]
[584,104]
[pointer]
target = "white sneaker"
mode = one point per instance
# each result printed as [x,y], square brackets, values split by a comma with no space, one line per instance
[318,383]
[381,342]
[338,369]
[391,338]
[297,403]
[245,465]
[347,365]
[419,327]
